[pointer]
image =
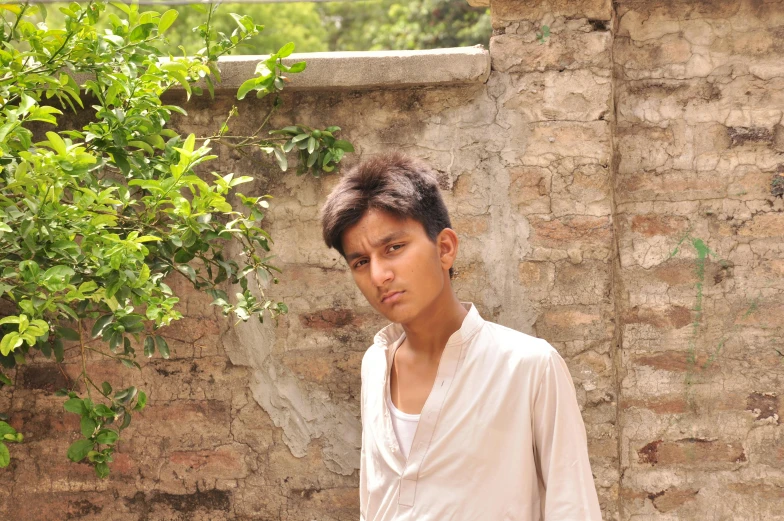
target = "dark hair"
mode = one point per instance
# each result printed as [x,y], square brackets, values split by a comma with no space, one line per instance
[395,183]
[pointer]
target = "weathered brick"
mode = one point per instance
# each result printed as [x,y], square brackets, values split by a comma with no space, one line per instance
[764,406]
[227,462]
[581,187]
[677,362]
[652,224]
[564,323]
[539,96]
[512,53]
[471,226]
[672,498]
[672,317]
[569,232]
[764,225]
[529,189]
[189,423]
[690,452]
[329,319]
[658,404]
[551,141]
[515,10]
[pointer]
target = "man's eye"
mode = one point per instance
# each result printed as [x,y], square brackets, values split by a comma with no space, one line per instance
[395,247]
[358,264]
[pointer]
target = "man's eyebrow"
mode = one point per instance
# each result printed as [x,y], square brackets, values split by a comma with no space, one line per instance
[384,240]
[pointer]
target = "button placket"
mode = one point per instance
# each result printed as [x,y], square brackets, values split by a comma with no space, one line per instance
[427,423]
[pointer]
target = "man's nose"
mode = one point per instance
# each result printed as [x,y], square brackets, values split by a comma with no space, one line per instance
[380,273]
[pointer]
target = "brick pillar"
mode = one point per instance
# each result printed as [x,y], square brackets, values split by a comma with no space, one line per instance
[552,77]
[699,97]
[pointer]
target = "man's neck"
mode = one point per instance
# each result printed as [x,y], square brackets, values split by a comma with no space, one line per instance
[427,335]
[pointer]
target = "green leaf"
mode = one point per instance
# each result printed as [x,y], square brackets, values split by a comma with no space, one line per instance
[286,50]
[57,348]
[107,437]
[102,469]
[166,21]
[143,145]
[163,346]
[104,411]
[149,346]
[244,22]
[75,405]
[126,395]
[344,145]
[122,7]
[246,87]
[140,32]
[6,429]
[56,143]
[141,401]
[67,333]
[79,449]
[188,271]
[297,67]
[129,363]
[88,426]
[282,161]
[10,342]
[100,325]
[57,278]
[5,456]
[44,114]
[106,388]
[24,322]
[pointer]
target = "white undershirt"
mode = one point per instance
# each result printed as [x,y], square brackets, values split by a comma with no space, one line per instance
[405,426]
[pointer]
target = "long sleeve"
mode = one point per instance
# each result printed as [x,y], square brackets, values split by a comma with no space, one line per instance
[363,491]
[561,448]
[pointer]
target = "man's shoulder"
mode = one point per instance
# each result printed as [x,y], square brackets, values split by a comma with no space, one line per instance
[375,357]
[513,345]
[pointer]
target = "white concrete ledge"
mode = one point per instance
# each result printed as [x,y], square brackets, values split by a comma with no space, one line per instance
[370,69]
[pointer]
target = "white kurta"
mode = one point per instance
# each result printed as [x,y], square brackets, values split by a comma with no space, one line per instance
[500,437]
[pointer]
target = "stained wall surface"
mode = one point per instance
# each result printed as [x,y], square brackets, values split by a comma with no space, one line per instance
[615,186]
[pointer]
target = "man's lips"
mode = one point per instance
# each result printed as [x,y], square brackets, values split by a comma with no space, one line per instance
[391,296]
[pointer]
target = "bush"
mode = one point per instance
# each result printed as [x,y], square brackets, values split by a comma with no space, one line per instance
[93,220]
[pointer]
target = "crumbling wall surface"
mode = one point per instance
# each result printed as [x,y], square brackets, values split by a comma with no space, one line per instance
[617,188]
[552,73]
[700,227]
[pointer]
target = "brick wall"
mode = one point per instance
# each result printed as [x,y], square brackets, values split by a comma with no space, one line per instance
[698,95]
[613,187]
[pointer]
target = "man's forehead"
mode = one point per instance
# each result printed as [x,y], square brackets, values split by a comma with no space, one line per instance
[377,228]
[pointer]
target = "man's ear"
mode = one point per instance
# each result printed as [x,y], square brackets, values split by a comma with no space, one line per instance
[447,243]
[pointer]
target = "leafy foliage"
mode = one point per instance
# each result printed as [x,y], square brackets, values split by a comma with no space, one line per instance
[93,220]
[417,24]
[339,26]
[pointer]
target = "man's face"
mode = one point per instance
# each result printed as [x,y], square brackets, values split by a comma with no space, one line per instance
[395,265]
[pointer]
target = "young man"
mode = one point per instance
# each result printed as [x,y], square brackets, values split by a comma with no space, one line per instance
[462,419]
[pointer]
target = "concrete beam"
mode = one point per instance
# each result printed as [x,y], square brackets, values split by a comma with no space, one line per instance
[371,69]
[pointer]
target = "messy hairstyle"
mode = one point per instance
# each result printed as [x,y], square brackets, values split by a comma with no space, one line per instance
[395,183]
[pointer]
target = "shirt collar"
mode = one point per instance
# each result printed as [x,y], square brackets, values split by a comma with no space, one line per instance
[471,324]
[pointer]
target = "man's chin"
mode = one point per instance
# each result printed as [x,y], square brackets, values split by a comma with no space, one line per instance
[397,313]
[394,313]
